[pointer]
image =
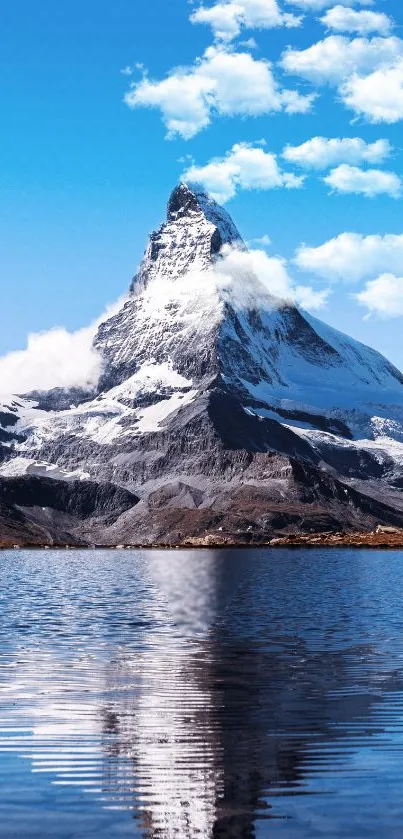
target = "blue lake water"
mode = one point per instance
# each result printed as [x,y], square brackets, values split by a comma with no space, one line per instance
[201,694]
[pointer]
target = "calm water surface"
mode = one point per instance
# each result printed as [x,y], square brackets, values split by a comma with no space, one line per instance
[201,694]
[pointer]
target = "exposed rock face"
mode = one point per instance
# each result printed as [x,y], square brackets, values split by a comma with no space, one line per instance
[223,408]
[37,510]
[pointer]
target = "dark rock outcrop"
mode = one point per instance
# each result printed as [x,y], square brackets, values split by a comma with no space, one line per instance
[41,510]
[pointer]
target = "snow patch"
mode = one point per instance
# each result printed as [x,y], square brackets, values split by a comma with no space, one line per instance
[152,417]
[19,466]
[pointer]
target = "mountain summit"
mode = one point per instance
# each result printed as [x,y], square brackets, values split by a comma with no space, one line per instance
[220,408]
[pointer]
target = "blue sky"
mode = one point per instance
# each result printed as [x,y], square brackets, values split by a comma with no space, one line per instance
[86,178]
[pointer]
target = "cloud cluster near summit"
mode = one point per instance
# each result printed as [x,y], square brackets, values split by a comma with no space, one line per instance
[249,166]
[252,279]
[244,167]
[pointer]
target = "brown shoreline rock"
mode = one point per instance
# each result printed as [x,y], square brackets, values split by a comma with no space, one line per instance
[380,538]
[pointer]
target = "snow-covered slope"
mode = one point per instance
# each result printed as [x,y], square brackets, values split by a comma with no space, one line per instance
[295,363]
[199,365]
[174,309]
[182,313]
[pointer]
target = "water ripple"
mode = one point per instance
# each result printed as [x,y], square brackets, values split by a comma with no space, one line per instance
[201,694]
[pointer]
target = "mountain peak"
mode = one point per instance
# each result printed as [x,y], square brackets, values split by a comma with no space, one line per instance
[183,201]
[195,231]
[218,404]
[188,201]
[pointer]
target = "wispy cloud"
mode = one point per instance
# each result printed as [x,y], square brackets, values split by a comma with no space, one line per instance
[264,241]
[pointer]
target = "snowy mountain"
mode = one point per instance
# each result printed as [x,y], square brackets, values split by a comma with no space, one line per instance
[221,406]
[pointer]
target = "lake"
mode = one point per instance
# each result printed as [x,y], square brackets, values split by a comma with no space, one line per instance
[229,693]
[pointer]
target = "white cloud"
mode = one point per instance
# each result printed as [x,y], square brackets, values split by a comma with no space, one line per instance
[184,98]
[310,298]
[56,358]
[377,96]
[227,18]
[292,21]
[127,71]
[336,58]
[250,44]
[319,5]
[370,182]
[244,279]
[368,73]
[383,296]
[244,167]
[236,272]
[264,240]
[342,19]
[321,152]
[296,103]
[222,82]
[351,257]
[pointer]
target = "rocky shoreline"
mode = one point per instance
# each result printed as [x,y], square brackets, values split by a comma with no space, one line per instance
[380,538]
[375,539]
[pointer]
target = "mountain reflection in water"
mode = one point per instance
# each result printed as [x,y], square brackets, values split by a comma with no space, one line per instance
[208,693]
